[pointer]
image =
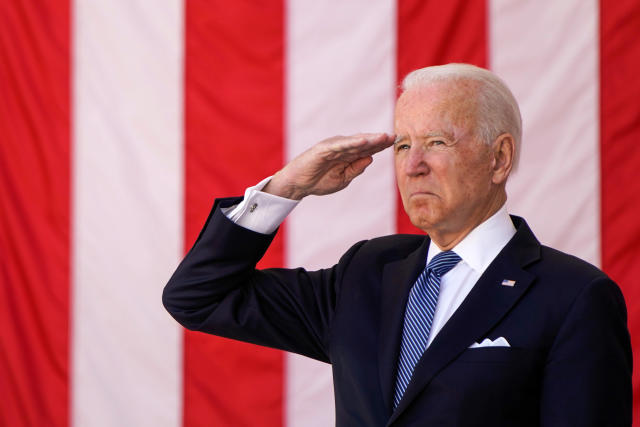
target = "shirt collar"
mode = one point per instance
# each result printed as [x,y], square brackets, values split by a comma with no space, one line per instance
[480,247]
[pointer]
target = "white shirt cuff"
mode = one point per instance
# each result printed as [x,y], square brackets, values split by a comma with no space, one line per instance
[260,212]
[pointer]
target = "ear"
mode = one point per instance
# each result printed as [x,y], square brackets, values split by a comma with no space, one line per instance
[504,151]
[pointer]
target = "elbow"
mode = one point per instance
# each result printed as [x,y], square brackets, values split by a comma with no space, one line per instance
[171,302]
[182,306]
[167,298]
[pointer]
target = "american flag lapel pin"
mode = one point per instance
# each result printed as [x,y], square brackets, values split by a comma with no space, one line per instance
[509,283]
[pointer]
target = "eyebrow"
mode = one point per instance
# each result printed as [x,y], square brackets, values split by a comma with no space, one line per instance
[431,134]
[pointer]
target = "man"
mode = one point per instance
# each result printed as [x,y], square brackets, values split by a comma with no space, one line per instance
[497,330]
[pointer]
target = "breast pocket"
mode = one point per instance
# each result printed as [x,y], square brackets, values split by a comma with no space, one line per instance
[504,367]
[492,383]
[497,355]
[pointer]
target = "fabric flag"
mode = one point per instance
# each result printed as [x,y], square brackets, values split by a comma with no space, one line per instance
[122,120]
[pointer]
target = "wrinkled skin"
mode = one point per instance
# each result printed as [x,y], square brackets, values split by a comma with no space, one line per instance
[450,181]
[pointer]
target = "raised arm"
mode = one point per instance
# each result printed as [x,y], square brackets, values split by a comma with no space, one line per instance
[217,288]
[328,166]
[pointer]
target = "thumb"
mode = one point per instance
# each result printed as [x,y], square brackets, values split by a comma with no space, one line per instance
[357,167]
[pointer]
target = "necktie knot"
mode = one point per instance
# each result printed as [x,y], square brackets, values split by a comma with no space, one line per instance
[443,262]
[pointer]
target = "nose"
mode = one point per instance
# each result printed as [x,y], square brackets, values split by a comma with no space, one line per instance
[415,161]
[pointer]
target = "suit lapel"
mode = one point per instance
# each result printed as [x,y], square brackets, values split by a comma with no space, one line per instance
[487,303]
[398,277]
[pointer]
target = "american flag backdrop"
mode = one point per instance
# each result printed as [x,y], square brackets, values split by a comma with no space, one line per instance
[122,120]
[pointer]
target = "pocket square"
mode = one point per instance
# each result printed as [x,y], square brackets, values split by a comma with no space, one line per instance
[498,342]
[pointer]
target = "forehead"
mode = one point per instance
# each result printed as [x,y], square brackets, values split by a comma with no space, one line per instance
[439,105]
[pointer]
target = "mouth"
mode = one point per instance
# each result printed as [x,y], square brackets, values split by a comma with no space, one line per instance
[422,194]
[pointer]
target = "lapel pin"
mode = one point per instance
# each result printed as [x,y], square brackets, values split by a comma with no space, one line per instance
[509,283]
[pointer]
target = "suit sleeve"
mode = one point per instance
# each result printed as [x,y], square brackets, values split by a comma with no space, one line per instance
[218,290]
[587,378]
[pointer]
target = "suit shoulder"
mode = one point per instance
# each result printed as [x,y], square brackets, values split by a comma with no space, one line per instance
[395,245]
[385,248]
[563,264]
[558,273]
[570,275]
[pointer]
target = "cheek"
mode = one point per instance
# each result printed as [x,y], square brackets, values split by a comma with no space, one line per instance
[401,177]
[473,178]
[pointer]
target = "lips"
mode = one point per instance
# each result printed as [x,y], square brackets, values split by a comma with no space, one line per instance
[421,193]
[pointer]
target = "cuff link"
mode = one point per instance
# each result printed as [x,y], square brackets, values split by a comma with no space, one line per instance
[253,207]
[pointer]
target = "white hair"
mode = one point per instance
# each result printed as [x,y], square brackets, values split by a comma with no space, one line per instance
[497,108]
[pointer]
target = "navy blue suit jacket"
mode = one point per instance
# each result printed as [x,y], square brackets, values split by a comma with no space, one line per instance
[569,363]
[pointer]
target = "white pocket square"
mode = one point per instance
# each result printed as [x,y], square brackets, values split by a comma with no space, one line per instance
[498,342]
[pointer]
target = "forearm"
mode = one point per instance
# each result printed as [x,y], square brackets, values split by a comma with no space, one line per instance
[218,290]
[215,266]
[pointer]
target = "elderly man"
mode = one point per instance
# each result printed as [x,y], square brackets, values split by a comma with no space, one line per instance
[476,324]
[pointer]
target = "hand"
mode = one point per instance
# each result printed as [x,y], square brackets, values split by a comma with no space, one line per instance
[328,166]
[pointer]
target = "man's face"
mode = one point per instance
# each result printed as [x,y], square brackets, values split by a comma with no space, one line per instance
[444,171]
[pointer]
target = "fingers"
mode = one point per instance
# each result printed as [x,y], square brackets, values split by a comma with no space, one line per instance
[350,148]
[328,166]
[377,142]
[361,141]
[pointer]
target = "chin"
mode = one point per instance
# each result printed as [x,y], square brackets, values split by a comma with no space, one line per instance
[423,215]
[422,221]
[422,225]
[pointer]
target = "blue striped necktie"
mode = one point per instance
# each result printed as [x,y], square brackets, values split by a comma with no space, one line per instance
[418,317]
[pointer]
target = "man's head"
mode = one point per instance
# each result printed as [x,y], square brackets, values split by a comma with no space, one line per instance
[458,133]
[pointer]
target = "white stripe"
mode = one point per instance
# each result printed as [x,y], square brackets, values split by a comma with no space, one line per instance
[127,231]
[548,54]
[340,80]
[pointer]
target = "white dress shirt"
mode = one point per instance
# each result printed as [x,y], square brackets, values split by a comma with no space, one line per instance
[260,212]
[263,213]
[477,250]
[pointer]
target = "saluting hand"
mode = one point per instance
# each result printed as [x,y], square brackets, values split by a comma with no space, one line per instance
[328,166]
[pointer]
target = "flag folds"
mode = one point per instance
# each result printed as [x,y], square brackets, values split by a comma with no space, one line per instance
[121,121]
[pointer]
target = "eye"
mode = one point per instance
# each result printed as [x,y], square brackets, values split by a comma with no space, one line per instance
[438,142]
[401,146]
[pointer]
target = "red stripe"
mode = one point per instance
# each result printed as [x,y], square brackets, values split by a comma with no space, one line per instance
[234,133]
[34,213]
[620,157]
[438,32]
